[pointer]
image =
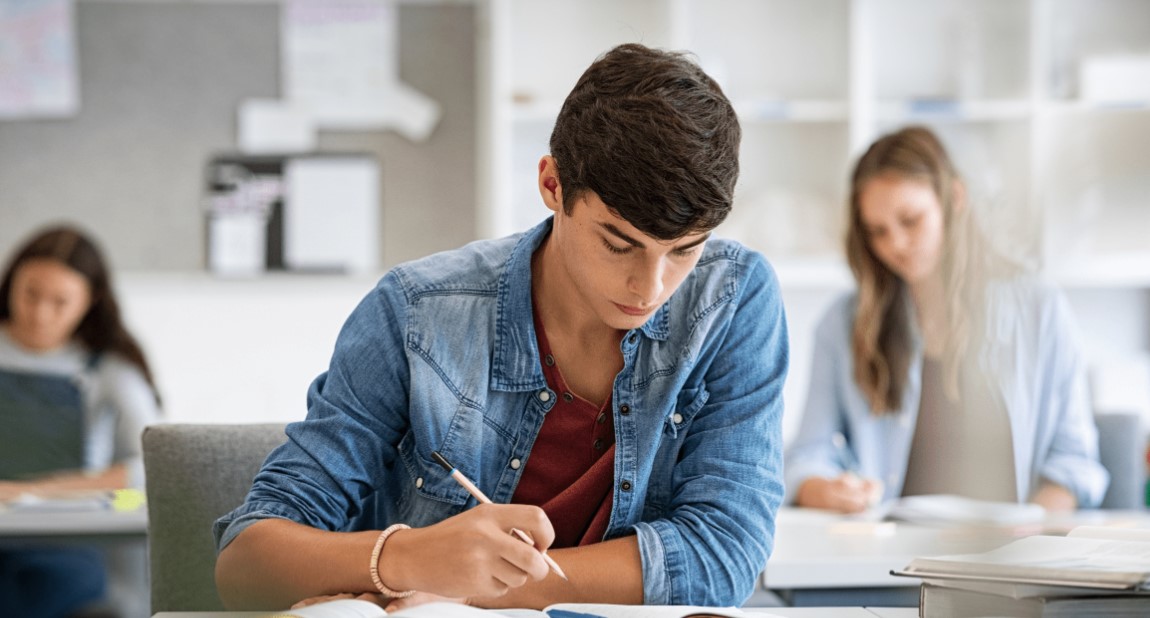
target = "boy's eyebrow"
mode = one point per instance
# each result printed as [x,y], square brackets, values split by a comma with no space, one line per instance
[614,231]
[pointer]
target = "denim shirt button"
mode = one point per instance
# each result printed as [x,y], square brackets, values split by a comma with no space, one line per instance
[677,418]
[515,463]
[626,485]
[624,409]
[544,396]
[633,338]
[419,482]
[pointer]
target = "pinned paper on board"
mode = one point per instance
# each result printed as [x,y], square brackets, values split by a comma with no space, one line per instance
[341,66]
[38,59]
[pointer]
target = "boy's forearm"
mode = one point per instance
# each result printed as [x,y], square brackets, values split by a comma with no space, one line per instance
[275,563]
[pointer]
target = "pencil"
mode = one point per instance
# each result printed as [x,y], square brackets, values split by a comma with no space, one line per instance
[483,499]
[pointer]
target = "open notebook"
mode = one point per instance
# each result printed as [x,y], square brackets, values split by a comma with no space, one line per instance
[348,608]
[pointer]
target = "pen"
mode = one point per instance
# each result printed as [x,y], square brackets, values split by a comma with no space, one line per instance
[845,455]
[483,499]
[851,466]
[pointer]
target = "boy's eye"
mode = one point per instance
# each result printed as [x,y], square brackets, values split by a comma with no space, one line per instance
[616,250]
[686,252]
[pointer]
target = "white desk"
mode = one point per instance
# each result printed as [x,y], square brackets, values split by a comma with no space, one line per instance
[68,526]
[822,558]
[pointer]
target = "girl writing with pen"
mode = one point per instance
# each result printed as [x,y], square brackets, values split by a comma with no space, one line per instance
[949,370]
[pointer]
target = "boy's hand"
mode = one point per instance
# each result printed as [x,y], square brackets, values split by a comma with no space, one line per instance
[471,554]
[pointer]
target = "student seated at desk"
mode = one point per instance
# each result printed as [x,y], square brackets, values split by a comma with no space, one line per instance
[948,371]
[75,394]
[611,378]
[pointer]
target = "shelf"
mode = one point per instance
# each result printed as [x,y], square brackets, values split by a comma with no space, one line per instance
[1070,106]
[958,110]
[813,273]
[795,110]
[1131,270]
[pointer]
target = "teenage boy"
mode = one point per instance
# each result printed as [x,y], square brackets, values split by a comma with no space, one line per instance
[611,378]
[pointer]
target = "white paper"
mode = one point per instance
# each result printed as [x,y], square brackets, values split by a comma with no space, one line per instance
[341,65]
[331,207]
[269,126]
[38,59]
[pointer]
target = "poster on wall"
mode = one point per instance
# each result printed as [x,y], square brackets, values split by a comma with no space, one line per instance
[341,67]
[38,59]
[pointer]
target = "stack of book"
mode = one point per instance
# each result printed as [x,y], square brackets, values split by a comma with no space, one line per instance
[1092,571]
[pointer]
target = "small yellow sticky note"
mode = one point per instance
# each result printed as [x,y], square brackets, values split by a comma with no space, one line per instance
[127,499]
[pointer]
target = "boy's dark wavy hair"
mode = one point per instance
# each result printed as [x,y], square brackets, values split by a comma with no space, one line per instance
[654,137]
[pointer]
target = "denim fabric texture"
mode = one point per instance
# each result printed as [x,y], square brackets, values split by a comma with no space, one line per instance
[442,355]
[1034,358]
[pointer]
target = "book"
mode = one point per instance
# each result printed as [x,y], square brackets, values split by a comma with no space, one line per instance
[1090,558]
[353,608]
[1092,571]
[935,600]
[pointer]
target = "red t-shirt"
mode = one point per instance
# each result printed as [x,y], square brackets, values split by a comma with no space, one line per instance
[570,473]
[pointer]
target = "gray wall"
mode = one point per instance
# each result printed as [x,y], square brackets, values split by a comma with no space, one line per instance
[159,88]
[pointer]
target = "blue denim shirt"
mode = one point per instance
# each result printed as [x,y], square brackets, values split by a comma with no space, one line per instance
[442,355]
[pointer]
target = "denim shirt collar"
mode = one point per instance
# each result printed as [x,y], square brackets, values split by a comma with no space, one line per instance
[515,362]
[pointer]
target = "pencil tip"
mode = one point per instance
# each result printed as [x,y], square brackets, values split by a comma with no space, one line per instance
[441,460]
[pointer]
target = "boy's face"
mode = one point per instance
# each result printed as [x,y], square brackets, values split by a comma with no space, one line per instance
[617,272]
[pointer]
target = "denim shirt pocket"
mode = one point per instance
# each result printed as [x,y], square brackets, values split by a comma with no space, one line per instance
[687,405]
[659,489]
[431,493]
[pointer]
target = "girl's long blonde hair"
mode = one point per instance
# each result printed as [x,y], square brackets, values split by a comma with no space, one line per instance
[881,338]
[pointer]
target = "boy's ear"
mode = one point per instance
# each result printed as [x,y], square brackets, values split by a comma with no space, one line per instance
[549,187]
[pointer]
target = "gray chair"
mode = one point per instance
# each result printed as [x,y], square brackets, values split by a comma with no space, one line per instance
[194,474]
[1122,448]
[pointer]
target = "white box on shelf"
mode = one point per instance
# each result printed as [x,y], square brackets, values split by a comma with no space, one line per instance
[331,214]
[1116,79]
[238,245]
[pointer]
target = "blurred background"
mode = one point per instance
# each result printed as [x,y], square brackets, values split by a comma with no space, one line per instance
[252,167]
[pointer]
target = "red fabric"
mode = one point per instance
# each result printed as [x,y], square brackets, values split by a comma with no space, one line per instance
[570,473]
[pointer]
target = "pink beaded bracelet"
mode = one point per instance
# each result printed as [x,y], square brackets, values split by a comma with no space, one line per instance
[384,590]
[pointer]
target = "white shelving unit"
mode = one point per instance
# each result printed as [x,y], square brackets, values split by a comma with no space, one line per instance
[1060,173]
[1061,177]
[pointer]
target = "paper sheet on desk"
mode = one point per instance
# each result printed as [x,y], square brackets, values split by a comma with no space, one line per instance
[949,509]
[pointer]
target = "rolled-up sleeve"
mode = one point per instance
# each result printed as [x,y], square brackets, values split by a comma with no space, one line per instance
[719,531]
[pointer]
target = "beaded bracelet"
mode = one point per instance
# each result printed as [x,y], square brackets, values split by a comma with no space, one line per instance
[384,590]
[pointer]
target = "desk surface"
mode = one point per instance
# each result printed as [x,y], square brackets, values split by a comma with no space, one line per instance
[822,550]
[34,524]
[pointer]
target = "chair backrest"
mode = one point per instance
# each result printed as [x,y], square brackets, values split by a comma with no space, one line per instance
[195,474]
[1122,450]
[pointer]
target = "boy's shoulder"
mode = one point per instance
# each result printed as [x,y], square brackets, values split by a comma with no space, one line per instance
[478,264]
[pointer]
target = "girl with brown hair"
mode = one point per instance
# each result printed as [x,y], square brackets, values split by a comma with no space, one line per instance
[949,370]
